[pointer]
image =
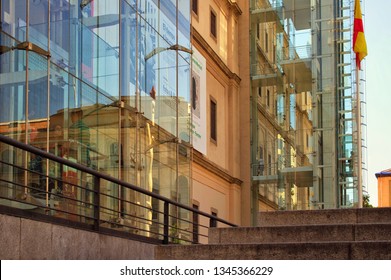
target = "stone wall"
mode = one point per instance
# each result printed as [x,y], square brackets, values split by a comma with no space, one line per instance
[28,239]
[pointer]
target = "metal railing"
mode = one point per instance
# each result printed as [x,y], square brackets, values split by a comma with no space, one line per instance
[65,192]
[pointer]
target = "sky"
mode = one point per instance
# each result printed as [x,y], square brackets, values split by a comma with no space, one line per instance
[378,91]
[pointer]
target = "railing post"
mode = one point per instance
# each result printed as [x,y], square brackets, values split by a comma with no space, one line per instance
[166,222]
[96,188]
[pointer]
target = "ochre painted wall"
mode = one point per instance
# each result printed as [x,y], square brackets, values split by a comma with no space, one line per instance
[384,191]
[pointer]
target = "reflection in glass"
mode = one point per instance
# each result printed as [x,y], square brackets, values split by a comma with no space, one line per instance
[96,100]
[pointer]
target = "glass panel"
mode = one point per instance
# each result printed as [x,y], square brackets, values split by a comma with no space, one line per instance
[184,151]
[167,21]
[184,103]
[38,23]
[128,53]
[13,84]
[105,60]
[85,46]
[12,118]
[184,17]
[37,121]
[292,110]
[86,112]
[281,109]
[38,87]
[168,91]
[150,60]
[95,50]
[14,16]
[60,28]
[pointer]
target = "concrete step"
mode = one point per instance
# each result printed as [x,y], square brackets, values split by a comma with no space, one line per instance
[323,217]
[348,234]
[361,250]
[300,234]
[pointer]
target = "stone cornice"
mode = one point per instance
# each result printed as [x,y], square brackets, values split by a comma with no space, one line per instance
[235,7]
[213,55]
[214,168]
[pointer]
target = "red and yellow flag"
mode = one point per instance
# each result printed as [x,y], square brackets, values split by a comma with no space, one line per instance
[359,43]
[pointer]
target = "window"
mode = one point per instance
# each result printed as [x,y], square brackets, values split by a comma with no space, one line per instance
[274,54]
[212,222]
[194,6]
[266,42]
[261,162]
[195,224]
[213,120]
[260,92]
[307,140]
[213,24]
[261,151]
[268,98]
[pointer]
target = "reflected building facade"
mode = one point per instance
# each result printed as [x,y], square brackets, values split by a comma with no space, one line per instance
[304,137]
[103,83]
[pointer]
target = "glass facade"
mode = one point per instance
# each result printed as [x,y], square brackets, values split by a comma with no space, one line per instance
[305,139]
[103,83]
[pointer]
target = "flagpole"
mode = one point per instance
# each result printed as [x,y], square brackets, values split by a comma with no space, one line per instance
[359,141]
[360,49]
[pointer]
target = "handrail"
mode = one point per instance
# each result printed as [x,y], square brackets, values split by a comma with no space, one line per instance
[97,175]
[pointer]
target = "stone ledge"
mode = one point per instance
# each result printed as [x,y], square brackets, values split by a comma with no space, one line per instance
[10,237]
[29,239]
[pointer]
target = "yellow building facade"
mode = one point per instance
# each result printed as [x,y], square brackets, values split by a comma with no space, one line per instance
[216,178]
[384,188]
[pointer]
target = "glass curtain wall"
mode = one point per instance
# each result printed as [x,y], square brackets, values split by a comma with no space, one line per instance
[105,85]
[348,137]
[281,74]
[305,141]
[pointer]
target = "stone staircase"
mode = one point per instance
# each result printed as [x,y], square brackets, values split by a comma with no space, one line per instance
[319,234]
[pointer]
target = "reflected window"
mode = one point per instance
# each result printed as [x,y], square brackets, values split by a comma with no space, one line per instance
[292,111]
[266,42]
[268,98]
[307,140]
[195,224]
